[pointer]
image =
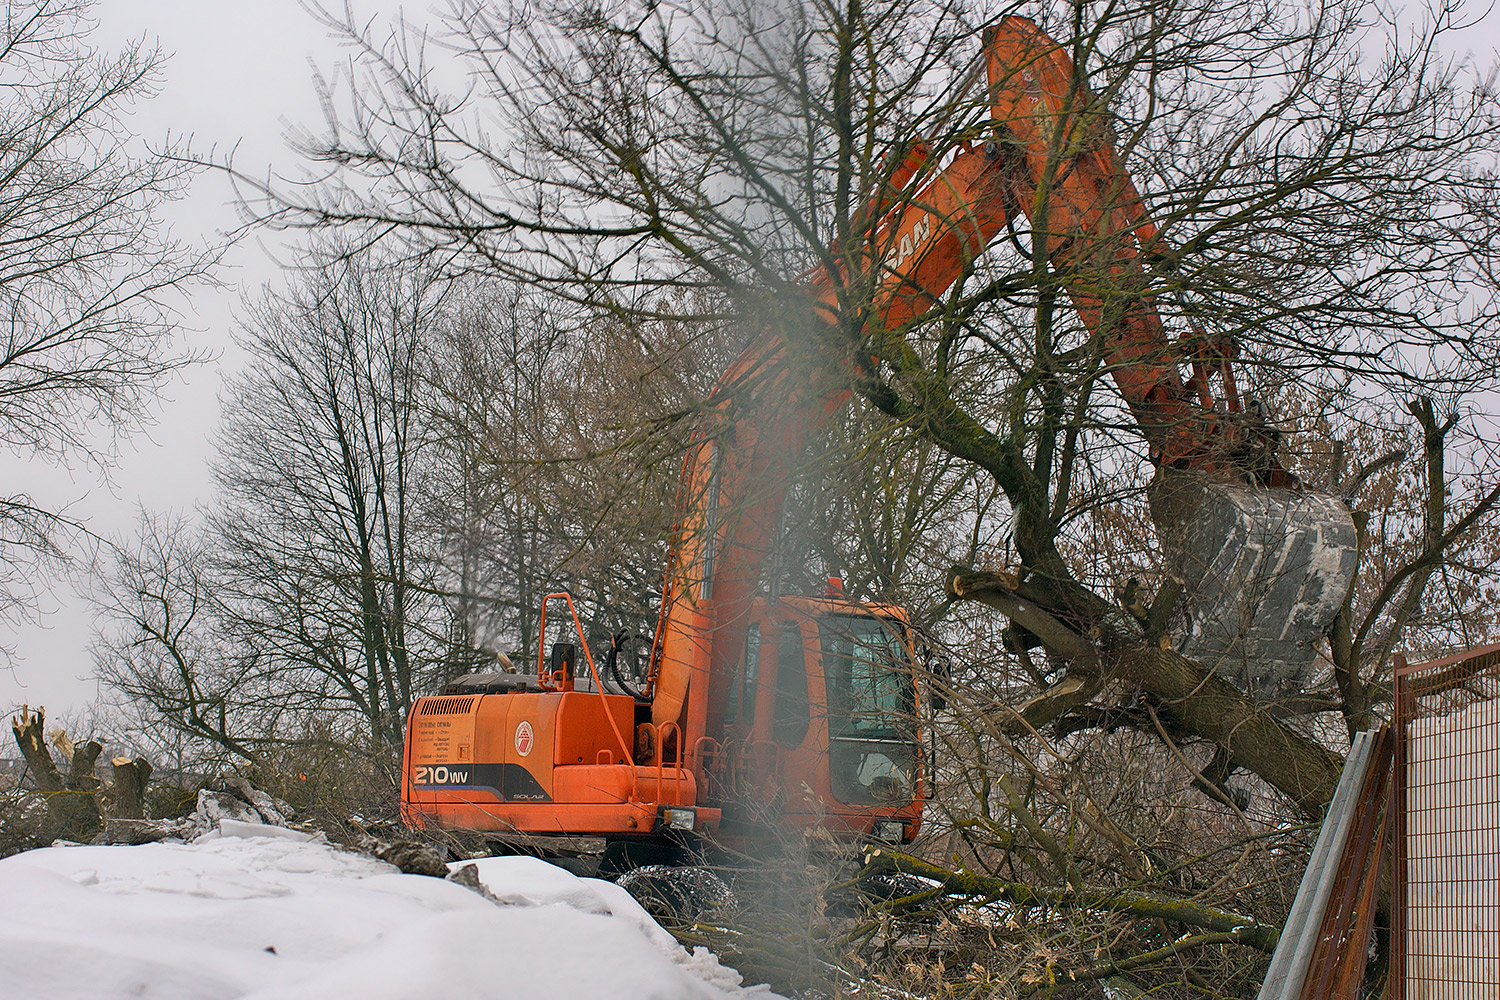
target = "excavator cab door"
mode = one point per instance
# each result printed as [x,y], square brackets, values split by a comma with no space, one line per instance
[871,697]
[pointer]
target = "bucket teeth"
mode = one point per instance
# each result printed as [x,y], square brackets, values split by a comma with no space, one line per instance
[1264,571]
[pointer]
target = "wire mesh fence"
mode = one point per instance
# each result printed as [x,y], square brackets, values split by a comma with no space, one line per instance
[1446,799]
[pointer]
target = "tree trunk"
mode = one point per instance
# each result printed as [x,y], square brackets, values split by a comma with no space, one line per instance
[1198,700]
[72,812]
[127,796]
[1206,706]
[30,737]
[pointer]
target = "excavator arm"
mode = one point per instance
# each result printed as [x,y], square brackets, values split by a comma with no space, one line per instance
[1272,549]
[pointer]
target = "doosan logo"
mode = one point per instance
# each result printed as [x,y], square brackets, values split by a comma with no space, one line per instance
[525,739]
[910,243]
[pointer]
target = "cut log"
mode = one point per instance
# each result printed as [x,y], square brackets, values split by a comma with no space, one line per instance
[146,831]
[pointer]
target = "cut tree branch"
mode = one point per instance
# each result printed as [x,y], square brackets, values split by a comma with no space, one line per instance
[1199,701]
[1245,930]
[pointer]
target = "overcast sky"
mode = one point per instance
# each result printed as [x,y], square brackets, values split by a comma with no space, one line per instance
[238,71]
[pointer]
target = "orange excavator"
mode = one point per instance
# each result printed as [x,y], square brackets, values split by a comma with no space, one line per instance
[759,713]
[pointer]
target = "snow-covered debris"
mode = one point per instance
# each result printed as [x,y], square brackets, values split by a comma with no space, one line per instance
[264,915]
[216,806]
[273,810]
[242,804]
[411,856]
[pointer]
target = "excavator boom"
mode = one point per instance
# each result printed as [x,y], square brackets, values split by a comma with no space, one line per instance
[1265,562]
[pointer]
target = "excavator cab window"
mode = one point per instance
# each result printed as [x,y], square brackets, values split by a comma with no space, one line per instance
[869,678]
[792,713]
[742,689]
[752,671]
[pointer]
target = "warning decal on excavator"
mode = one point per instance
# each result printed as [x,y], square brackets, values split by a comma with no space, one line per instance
[524,739]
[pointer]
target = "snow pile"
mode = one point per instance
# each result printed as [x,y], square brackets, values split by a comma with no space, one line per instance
[256,911]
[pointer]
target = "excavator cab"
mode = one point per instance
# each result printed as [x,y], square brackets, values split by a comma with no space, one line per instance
[820,722]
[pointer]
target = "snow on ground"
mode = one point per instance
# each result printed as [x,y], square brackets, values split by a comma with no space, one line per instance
[256,913]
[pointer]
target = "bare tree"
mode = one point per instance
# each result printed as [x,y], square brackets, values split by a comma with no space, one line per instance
[319,470]
[88,271]
[494,427]
[547,473]
[408,467]
[304,603]
[181,673]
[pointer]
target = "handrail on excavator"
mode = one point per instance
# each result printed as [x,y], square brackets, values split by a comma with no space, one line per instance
[546,681]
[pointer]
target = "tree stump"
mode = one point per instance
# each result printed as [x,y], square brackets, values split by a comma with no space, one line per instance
[127,793]
[72,811]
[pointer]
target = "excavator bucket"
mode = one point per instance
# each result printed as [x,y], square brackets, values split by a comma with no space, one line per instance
[1265,570]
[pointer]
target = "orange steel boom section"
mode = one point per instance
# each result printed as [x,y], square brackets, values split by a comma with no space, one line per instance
[1056,166]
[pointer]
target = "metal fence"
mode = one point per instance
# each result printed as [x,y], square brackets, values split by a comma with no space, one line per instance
[1446,800]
